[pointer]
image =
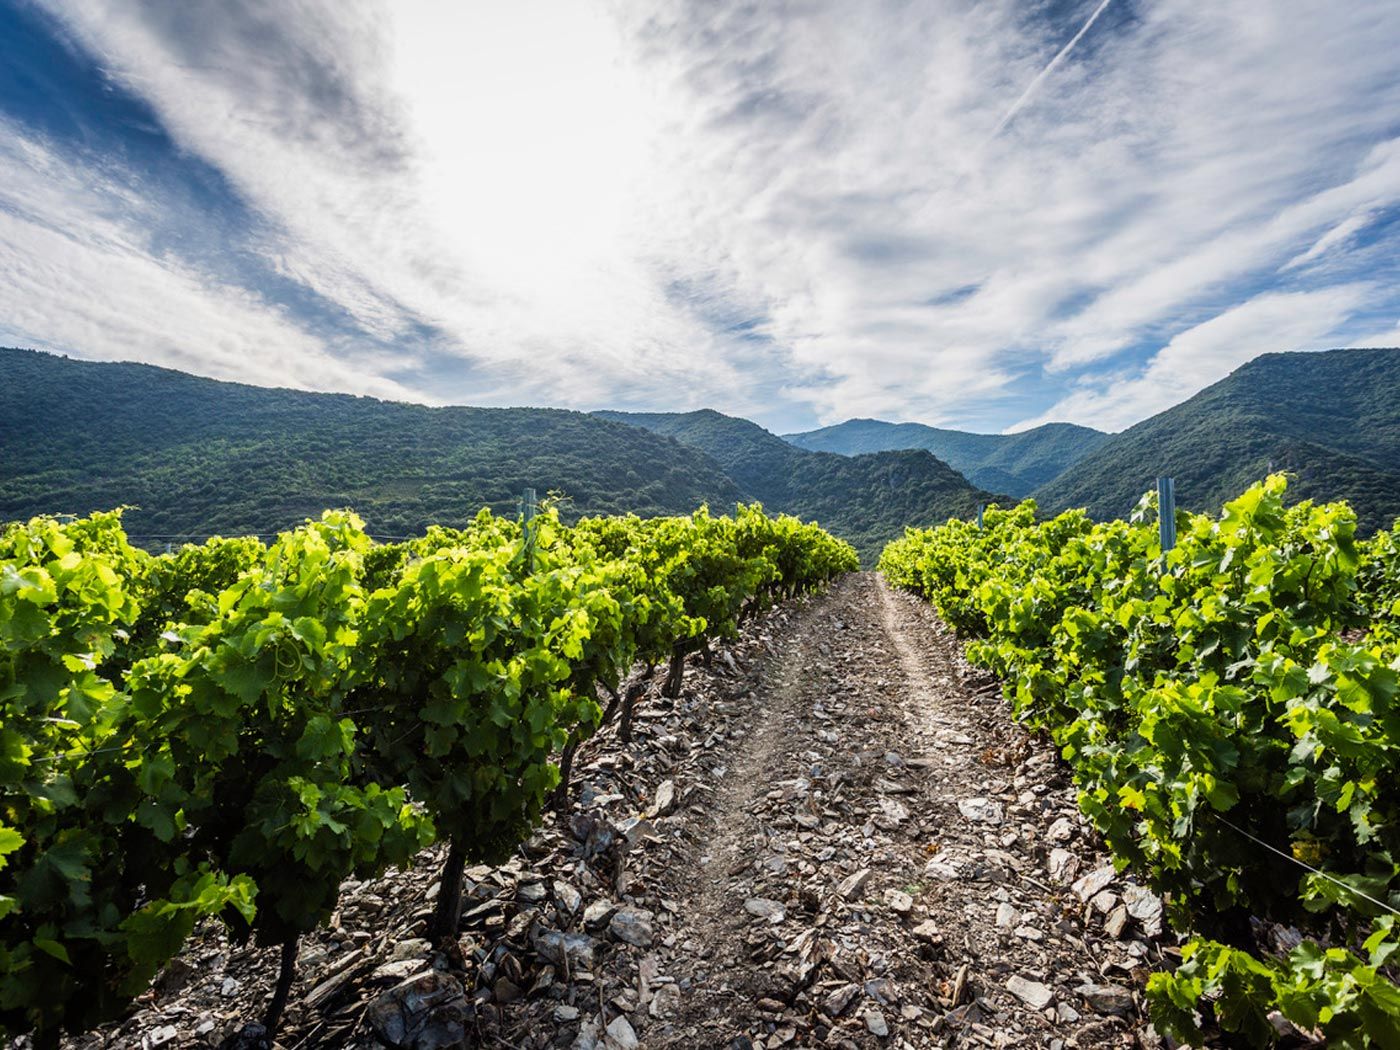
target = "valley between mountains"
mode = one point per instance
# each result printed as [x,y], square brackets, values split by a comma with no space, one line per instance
[836,836]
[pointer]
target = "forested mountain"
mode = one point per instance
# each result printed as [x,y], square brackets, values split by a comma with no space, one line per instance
[867,499]
[200,456]
[1011,463]
[1331,418]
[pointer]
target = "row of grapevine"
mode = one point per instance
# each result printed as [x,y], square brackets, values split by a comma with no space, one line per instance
[231,730]
[1230,710]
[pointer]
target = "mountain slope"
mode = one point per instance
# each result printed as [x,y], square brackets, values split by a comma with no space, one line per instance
[200,456]
[1010,463]
[1332,418]
[867,499]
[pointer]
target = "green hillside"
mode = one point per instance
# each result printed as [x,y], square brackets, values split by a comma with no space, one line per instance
[200,456]
[1331,418]
[1010,463]
[867,499]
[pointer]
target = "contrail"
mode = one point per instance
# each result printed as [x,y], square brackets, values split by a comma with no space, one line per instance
[1017,106]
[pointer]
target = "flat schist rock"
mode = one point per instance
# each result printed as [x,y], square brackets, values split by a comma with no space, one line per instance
[1033,993]
[853,885]
[982,810]
[634,926]
[764,908]
[426,1012]
[619,1035]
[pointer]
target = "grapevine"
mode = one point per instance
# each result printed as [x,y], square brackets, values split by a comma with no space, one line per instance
[231,730]
[1240,688]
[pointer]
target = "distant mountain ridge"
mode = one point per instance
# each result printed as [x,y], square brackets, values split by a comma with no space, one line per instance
[200,456]
[1332,418]
[868,499]
[1015,464]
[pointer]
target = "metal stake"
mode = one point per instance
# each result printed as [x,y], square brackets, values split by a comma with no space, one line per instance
[1166,512]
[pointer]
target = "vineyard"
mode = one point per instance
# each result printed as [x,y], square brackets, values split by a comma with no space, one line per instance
[1229,710]
[231,730]
[229,734]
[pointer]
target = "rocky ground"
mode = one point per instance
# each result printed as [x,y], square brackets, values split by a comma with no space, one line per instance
[835,837]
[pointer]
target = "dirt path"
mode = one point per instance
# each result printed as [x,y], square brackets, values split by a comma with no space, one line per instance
[883,859]
[835,837]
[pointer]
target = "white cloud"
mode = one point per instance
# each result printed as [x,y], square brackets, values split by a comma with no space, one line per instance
[1333,239]
[1118,317]
[1208,353]
[80,277]
[582,200]
[845,181]
[459,167]
[1386,338]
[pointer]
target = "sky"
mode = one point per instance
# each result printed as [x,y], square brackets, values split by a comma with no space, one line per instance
[984,214]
